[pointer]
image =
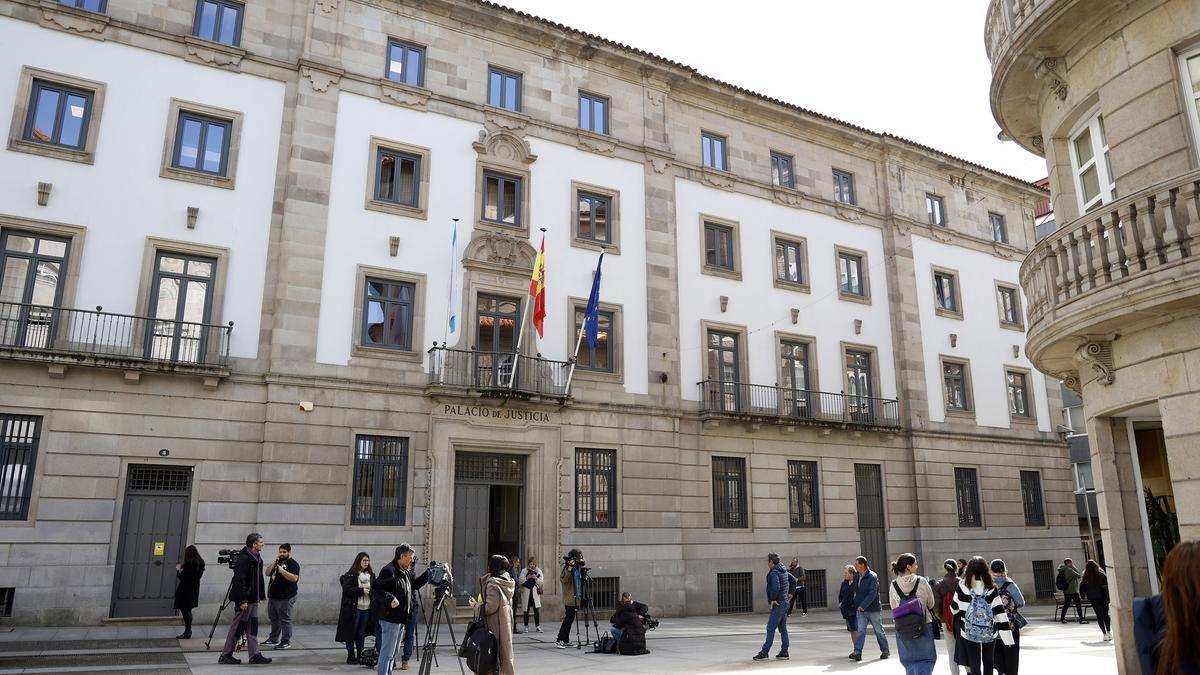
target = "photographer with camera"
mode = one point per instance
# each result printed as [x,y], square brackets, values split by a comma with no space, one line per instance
[281,596]
[394,588]
[629,626]
[246,591]
[570,576]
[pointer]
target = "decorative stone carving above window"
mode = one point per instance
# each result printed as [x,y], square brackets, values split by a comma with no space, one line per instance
[76,21]
[214,53]
[505,119]
[716,178]
[499,252]
[319,75]
[504,147]
[596,142]
[391,91]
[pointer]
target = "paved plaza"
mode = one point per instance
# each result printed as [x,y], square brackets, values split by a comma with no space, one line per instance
[686,645]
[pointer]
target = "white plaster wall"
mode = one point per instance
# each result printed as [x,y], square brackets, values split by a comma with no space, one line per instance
[755,303]
[980,337]
[358,236]
[121,199]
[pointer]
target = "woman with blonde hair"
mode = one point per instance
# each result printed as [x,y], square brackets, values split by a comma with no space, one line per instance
[529,594]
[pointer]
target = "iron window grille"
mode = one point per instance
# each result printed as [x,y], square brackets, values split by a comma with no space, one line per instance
[999,228]
[935,209]
[219,21]
[158,479]
[595,488]
[815,589]
[474,466]
[1018,394]
[735,594]
[789,261]
[803,494]
[6,601]
[601,359]
[729,492]
[593,221]
[850,269]
[19,438]
[593,113]
[202,144]
[97,6]
[1043,579]
[1031,497]
[380,480]
[606,592]
[843,187]
[504,89]
[713,149]
[944,288]
[388,314]
[954,378]
[58,115]
[781,170]
[501,199]
[966,489]
[398,178]
[718,246]
[406,63]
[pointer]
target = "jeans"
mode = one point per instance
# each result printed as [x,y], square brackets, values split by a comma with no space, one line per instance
[564,631]
[410,636]
[874,619]
[387,635]
[920,655]
[1068,598]
[777,621]
[280,614]
[244,619]
[362,619]
[979,656]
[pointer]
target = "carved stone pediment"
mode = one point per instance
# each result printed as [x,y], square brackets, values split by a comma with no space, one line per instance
[214,53]
[504,146]
[77,21]
[499,252]
[401,94]
[718,179]
[596,142]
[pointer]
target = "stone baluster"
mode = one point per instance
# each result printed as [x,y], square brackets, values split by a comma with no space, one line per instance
[1134,251]
[1172,229]
[1100,271]
[1078,264]
[1087,255]
[1050,271]
[1188,201]
[1151,219]
[1118,261]
[1062,278]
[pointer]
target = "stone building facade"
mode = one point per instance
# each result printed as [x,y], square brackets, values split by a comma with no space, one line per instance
[810,341]
[1108,93]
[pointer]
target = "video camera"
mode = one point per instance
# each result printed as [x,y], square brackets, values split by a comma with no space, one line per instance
[439,574]
[573,562]
[649,622]
[229,556]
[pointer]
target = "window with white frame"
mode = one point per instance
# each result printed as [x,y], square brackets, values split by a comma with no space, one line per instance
[1094,183]
[1189,67]
[1083,477]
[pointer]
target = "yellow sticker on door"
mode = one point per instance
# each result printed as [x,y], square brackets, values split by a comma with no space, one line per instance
[160,547]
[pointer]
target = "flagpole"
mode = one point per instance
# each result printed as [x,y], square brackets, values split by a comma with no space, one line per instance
[512,378]
[579,343]
[450,289]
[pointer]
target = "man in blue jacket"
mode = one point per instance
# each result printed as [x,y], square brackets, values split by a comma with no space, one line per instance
[866,603]
[777,596]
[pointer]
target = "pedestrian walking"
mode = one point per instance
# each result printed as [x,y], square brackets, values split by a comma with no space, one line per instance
[246,590]
[1067,580]
[777,591]
[918,655]
[354,616]
[801,594]
[281,596]
[983,619]
[1007,658]
[846,603]
[529,593]
[187,592]
[943,593]
[497,611]
[866,603]
[1094,587]
[1166,625]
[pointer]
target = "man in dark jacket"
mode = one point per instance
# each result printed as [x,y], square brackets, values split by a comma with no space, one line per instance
[866,603]
[394,589]
[1071,594]
[777,596]
[628,629]
[246,592]
[801,595]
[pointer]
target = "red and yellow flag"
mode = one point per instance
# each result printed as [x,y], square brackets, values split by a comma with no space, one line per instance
[537,288]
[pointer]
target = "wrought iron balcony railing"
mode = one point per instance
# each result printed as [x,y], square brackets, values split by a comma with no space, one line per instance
[499,372]
[797,405]
[40,331]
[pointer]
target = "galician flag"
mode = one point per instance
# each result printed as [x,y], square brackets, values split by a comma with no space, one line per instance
[591,316]
[537,288]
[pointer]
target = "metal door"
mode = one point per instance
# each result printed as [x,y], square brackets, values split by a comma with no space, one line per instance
[868,487]
[470,537]
[153,536]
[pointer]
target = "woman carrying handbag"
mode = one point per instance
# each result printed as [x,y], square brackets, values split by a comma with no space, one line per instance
[529,594]
[496,612]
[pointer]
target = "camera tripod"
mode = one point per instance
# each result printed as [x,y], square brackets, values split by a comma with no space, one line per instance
[224,603]
[585,611]
[429,654]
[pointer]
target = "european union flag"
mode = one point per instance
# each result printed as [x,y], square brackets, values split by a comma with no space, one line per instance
[591,318]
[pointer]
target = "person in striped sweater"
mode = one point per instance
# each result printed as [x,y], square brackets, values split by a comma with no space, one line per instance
[978,649]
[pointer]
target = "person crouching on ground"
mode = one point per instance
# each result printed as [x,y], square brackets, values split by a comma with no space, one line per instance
[777,596]
[497,611]
[628,631]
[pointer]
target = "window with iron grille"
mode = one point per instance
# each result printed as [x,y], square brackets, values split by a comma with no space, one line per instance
[735,594]
[729,492]
[19,435]
[1031,496]
[814,588]
[595,487]
[380,480]
[803,496]
[606,592]
[6,601]
[1043,579]
[966,488]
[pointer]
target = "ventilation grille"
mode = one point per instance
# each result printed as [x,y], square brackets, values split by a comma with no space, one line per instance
[815,589]
[606,592]
[159,479]
[734,593]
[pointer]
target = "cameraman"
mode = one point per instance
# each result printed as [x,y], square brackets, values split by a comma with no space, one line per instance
[281,596]
[629,626]
[246,590]
[571,578]
[394,588]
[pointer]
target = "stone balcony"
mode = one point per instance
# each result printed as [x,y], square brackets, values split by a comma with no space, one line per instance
[1125,265]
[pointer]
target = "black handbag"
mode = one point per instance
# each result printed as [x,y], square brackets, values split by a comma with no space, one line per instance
[479,649]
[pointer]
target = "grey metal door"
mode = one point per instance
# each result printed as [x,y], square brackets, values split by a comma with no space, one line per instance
[470,537]
[868,487]
[153,536]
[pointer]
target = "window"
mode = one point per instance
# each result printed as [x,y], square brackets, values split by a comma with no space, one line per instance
[843,187]
[945,293]
[380,481]
[814,581]
[790,262]
[89,5]
[794,366]
[1043,579]
[935,209]
[729,492]
[1019,404]
[219,21]
[852,279]
[722,374]
[592,217]
[804,507]
[595,488]
[602,358]
[504,89]
[32,276]
[718,247]
[181,307]
[712,148]
[1031,497]
[1084,482]
[58,115]
[397,177]
[1009,301]
[956,383]
[966,489]
[781,170]
[735,593]
[1074,419]
[1189,67]
[593,113]
[201,144]
[1094,182]
[388,314]
[406,63]
[19,435]
[999,228]
[502,199]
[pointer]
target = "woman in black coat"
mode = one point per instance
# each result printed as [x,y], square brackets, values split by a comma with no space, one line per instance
[187,593]
[632,641]
[354,618]
[1094,587]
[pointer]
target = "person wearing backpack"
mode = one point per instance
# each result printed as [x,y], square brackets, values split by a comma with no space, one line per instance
[1007,657]
[1094,587]
[866,603]
[1067,581]
[912,601]
[943,595]
[983,619]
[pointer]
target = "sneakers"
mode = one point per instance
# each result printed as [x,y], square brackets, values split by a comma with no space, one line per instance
[270,641]
[856,656]
[538,628]
[761,656]
[1108,637]
[884,655]
[259,659]
[283,645]
[228,660]
[782,656]
[803,614]
[560,644]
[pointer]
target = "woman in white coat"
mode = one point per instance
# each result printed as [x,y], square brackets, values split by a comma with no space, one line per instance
[529,595]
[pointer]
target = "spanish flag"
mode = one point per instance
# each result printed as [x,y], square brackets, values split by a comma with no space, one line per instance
[537,288]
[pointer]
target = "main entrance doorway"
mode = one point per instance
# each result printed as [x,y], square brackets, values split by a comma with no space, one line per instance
[153,535]
[489,498]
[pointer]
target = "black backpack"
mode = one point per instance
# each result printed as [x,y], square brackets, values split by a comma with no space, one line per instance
[1060,581]
[910,626]
[479,650]
[368,658]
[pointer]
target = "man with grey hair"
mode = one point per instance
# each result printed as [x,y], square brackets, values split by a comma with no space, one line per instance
[777,596]
[246,591]
[394,588]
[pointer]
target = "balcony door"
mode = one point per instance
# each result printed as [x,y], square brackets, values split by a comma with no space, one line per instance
[723,371]
[794,387]
[859,385]
[32,270]
[180,308]
[498,324]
